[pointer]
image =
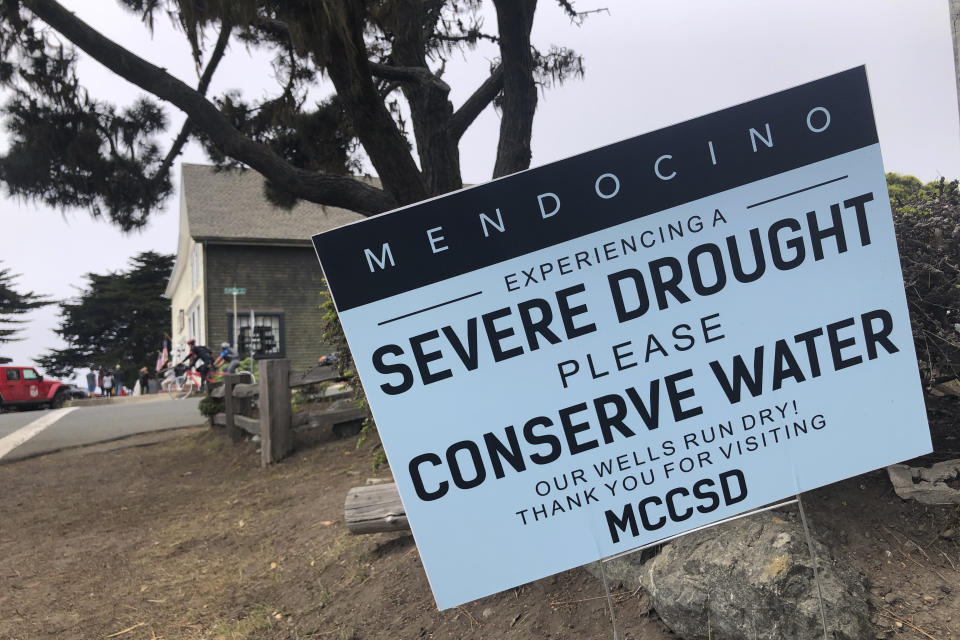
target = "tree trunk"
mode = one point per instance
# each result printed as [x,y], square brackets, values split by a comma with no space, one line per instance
[428,97]
[349,69]
[515,20]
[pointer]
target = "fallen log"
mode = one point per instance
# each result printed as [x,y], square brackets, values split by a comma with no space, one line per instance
[927,486]
[374,508]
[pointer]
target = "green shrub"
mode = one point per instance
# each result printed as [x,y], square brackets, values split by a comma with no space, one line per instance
[248,364]
[211,406]
[332,333]
[927,220]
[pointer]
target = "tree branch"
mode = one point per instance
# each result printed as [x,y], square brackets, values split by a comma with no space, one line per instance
[476,103]
[341,191]
[421,75]
[471,37]
[344,51]
[567,6]
[427,95]
[215,57]
[272,26]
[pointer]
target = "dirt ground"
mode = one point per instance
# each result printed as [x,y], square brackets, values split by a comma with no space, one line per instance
[182,535]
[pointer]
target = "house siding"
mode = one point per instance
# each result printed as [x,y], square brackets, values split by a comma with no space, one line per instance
[285,280]
[188,299]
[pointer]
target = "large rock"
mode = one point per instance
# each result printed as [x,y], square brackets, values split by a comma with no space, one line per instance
[750,579]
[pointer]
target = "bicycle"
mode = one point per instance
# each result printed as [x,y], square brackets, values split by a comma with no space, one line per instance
[182,384]
[185,382]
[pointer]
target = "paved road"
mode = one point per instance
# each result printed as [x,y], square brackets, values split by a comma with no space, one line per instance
[29,433]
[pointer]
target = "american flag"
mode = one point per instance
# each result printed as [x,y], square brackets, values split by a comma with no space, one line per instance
[162,357]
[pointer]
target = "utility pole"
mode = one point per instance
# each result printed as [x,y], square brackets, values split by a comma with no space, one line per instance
[235,291]
[235,319]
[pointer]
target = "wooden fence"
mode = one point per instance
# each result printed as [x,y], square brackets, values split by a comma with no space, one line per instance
[273,393]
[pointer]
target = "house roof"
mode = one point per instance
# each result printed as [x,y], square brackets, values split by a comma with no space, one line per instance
[230,206]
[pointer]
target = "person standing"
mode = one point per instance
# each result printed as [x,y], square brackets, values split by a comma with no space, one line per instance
[119,381]
[91,383]
[144,380]
[107,384]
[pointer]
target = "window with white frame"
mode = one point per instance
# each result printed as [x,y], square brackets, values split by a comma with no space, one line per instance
[194,321]
[195,266]
[266,338]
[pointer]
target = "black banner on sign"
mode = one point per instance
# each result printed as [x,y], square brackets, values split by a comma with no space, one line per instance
[467,230]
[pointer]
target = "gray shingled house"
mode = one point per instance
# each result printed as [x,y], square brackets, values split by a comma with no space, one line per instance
[232,237]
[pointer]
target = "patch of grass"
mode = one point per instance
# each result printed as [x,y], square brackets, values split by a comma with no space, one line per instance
[206,442]
[347,549]
[249,627]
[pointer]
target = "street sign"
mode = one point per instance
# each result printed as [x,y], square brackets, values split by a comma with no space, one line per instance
[234,291]
[616,348]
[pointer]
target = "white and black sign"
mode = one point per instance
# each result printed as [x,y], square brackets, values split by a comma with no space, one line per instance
[624,345]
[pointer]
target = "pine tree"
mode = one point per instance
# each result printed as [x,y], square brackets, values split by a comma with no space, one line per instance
[14,305]
[119,318]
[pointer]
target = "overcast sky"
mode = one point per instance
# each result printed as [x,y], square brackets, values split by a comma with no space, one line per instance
[648,65]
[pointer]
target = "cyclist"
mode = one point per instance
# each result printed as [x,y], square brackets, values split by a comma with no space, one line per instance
[199,354]
[228,356]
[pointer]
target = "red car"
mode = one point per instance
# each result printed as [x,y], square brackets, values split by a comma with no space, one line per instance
[24,387]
